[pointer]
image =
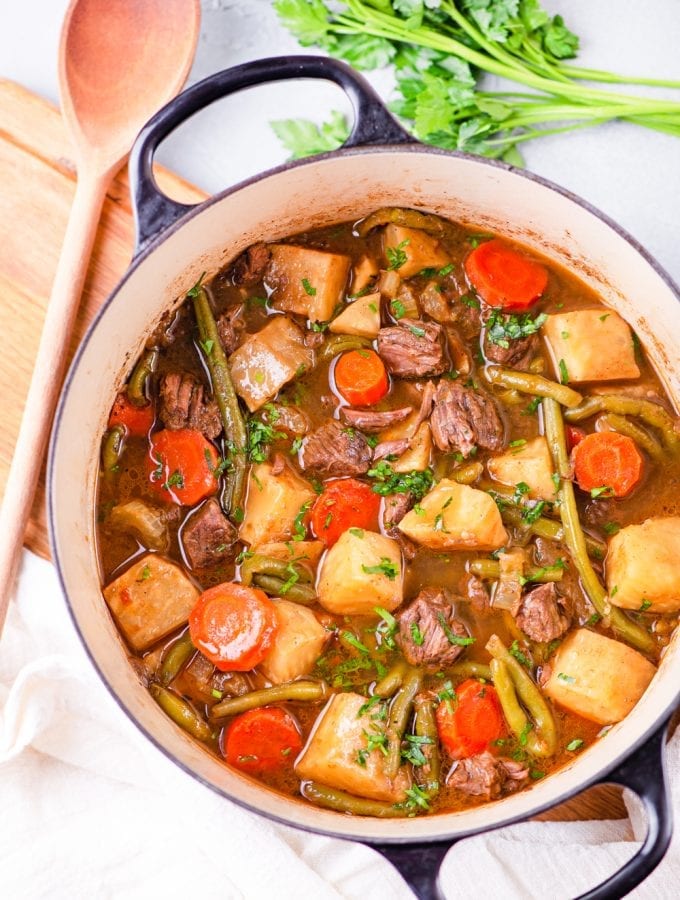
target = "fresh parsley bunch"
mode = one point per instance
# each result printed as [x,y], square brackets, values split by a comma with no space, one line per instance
[440,50]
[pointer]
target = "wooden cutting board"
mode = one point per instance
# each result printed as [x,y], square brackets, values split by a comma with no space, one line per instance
[37,179]
[37,182]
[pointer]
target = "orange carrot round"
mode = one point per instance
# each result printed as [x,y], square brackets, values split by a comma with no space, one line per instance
[181,466]
[233,626]
[503,277]
[262,740]
[345,503]
[607,462]
[136,420]
[468,726]
[361,377]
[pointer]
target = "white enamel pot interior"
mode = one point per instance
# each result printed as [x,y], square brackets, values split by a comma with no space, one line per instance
[345,185]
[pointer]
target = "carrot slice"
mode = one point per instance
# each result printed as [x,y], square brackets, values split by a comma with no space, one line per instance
[136,420]
[262,740]
[607,462]
[361,378]
[503,277]
[181,466]
[468,726]
[233,626]
[345,503]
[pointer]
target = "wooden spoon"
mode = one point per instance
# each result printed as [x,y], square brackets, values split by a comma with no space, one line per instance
[118,64]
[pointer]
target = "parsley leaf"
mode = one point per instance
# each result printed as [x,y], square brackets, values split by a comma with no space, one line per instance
[385,567]
[501,329]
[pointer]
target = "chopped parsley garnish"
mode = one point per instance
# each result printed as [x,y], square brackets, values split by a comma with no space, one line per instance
[309,290]
[299,526]
[603,491]
[390,482]
[175,480]
[564,374]
[415,330]
[452,638]
[295,446]
[574,745]
[524,735]
[396,256]
[476,239]
[567,679]
[445,270]
[612,527]
[194,291]
[385,567]
[259,438]
[417,635]
[357,532]
[520,442]
[238,514]
[644,606]
[470,301]
[519,656]
[532,406]
[521,488]
[501,329]
[293,578]
[605,316]
[145,573]
[416,797]
[413,752]
[398,309]
[614,591]
[369,705]
[386,628]
[531,514]
[446,694]
[207,346]
[593,620]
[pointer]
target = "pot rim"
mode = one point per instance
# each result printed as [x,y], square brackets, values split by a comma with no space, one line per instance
[139,257]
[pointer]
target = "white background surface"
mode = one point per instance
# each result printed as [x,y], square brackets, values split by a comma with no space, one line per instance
[55,837]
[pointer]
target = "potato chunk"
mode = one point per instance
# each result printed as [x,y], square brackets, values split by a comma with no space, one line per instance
[361,317]
[597,677]
[418,250]
[269,359]
[363,273]
[307,282]
[308,552]
[362,570]
[455,517]
[150,599]
[594,346]
[642,566]
[417,457]
[331,755]
[272,504]
[299,642]
[530,463]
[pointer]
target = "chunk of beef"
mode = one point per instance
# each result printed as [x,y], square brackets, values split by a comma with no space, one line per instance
[168,330]
[413,348]
[371,421]
[425,405]
[465,312]
[249,268]
[540,614]
[332,450]
[517,355]
[395,507]
[286,418]
[390,448]
[486,776]
[423,638]
[463,418]
[230,327]
[184,406]
[314,339]
[208,537]
[478,594]
[433,302]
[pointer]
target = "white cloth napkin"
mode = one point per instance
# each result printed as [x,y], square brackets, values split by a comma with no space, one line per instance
[90,809]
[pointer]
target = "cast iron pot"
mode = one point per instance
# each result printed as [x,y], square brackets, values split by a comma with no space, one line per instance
[379,165]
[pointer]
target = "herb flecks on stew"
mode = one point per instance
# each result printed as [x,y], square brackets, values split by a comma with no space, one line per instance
[378,509]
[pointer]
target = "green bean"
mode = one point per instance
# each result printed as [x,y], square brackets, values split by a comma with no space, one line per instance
[643,439]
[399,715]
[112,448]
[390,683]
[235,432]
[652,413]
[397,215]
[136,387]
[508,496]
[489,568]
[297,691]
[303,594]
[469,669]
[468,473]
[340,801]
[622,626]
[551,531]
[339,343]
[426,727]
[174,658]
[542,740]
[181,712]
[259,564]
[556,438]
[505,689]
[528,383]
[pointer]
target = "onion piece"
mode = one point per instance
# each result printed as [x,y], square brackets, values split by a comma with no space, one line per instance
[144,521]
[508,589]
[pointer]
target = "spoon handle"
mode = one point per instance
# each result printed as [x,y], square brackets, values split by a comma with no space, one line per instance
[48,372]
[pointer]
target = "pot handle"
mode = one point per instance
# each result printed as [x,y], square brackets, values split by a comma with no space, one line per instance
[644,772]
[154,212]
